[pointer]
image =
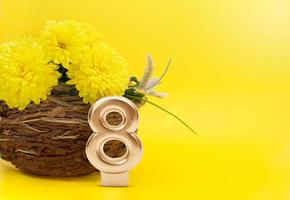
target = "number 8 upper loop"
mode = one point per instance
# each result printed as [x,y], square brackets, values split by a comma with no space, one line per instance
[123,108]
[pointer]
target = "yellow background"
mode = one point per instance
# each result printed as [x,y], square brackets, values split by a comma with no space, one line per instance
[230,79]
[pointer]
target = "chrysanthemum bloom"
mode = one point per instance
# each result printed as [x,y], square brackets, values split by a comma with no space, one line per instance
[65,41]
[101,72]
[25,74]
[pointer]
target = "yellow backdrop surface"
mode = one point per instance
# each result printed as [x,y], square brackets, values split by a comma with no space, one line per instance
[230,79]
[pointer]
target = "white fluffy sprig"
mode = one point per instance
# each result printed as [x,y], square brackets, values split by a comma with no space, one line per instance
[147,72]
[148,84]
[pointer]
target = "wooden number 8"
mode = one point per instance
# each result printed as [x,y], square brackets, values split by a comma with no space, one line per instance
[114,171]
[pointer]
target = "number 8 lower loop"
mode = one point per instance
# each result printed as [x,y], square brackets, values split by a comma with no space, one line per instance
[100,160]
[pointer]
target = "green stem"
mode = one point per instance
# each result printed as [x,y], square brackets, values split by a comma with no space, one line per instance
[163,109]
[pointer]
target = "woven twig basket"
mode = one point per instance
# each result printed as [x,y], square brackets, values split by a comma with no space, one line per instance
[49,139]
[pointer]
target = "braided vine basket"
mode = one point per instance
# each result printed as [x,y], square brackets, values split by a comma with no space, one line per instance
[49,139]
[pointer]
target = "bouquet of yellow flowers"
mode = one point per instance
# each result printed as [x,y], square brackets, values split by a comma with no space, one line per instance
[68,52]
[46,85]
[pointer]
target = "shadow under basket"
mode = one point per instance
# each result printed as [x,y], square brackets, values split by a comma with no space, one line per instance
[49,139]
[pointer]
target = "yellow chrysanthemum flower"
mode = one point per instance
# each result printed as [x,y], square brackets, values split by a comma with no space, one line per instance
[65,41]
[101,72]
[25,74]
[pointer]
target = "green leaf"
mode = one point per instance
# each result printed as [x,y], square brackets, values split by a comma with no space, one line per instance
[134,79]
